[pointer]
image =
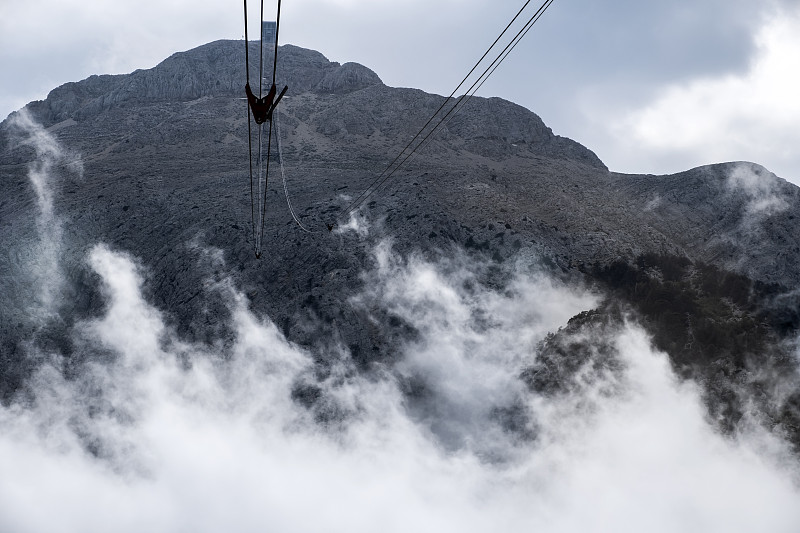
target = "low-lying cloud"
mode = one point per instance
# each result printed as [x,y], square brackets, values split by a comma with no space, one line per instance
[50,160]
[749,116]
[158,435]
[152,433]
[761,189]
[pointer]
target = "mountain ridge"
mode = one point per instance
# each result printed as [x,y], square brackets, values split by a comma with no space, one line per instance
[216,69]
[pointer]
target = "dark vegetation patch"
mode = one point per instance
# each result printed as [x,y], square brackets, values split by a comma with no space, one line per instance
[583,347]
[699,313]
[732,334]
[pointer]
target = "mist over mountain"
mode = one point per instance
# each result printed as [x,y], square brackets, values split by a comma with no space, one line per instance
[504,307]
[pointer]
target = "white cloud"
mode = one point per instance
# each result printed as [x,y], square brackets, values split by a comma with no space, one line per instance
[144,442]
[50,160]
[762,190]
[221,446]
[154,434]
[752,116]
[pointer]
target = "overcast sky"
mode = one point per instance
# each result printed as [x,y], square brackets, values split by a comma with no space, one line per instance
[653,87]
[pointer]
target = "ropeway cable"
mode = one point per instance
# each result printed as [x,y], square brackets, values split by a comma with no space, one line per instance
[464,99]
[283,175]
[383,177]
[258,193]
[357,201]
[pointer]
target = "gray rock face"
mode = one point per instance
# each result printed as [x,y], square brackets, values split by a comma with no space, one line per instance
[164,152]
[348,78]
[739,216]
[215,69]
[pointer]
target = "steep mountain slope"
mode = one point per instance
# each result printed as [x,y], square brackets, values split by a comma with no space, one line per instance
[163,154]
[494,153]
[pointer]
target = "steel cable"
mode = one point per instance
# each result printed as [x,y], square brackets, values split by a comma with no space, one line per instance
[383,177]
[258,194]
[357,201]
[283,175]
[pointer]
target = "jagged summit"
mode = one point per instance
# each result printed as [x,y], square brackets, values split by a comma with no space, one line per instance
[217,70]
[213,69]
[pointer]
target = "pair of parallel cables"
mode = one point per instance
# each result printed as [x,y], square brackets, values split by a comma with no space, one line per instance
[413,146]
[258,187]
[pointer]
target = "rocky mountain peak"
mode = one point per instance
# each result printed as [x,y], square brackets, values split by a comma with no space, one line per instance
[214,69]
